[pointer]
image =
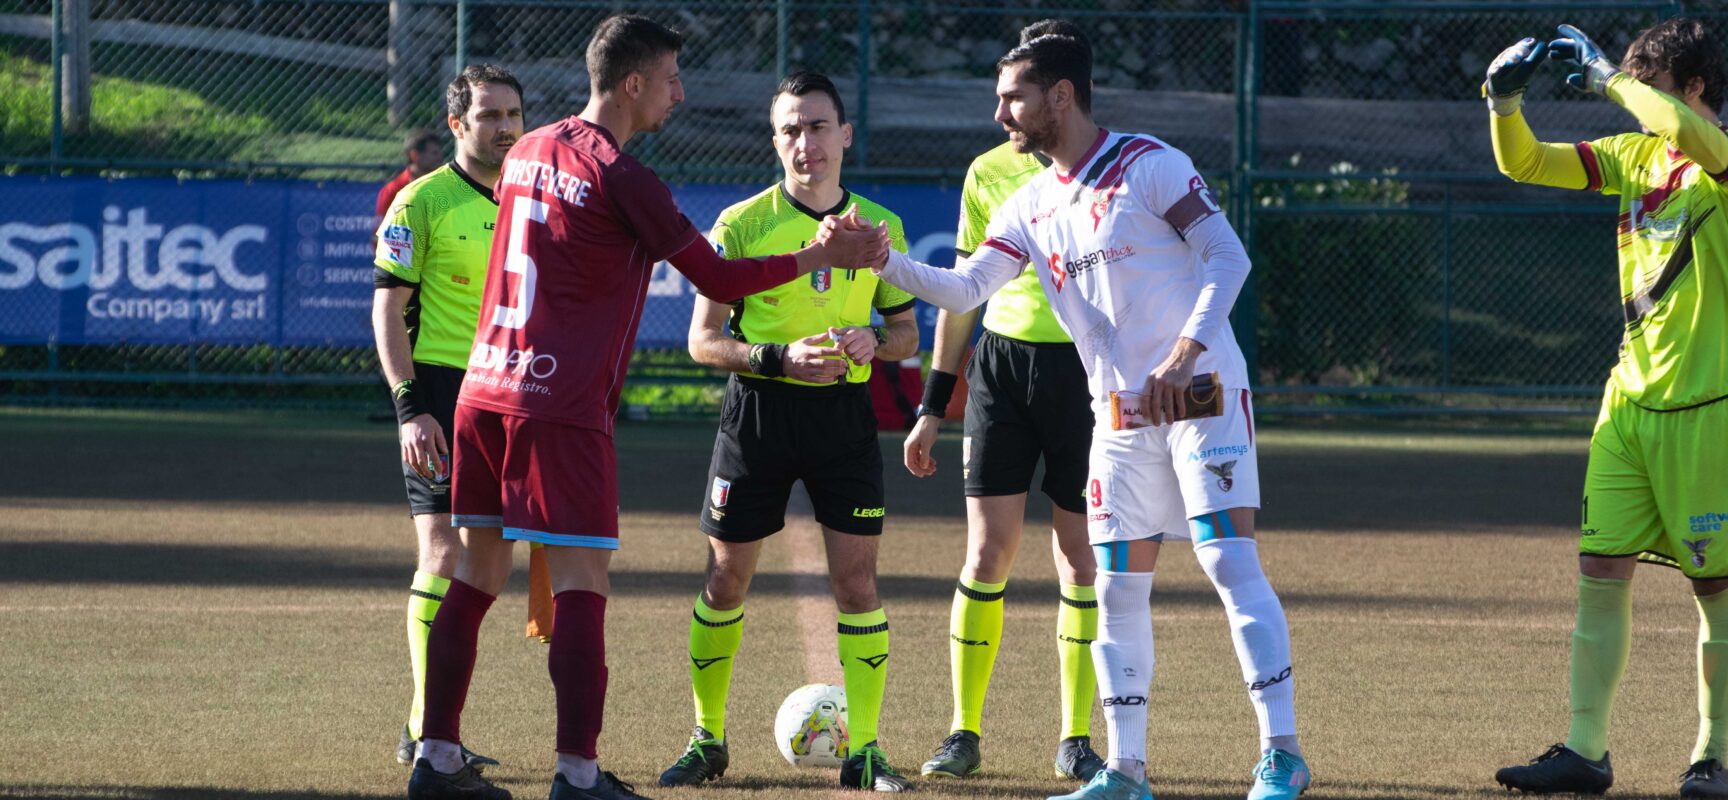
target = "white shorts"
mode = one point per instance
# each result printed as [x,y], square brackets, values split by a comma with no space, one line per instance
[1151,481]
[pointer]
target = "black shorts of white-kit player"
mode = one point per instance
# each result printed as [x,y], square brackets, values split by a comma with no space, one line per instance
[438,387]
[773,434]
[1026,400]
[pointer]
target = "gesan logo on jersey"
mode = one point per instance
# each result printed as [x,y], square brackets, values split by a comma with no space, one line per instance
[1061,268]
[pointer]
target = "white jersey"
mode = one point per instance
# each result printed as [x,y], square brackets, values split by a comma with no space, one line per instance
[1111,244]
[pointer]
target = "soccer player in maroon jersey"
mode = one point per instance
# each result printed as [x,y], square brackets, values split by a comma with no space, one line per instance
[424,153]
[581,226]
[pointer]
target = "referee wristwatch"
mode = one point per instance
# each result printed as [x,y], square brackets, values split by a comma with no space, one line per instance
[929,411]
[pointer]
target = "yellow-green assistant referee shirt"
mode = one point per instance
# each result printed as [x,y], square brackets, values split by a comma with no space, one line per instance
[772,223]
[1019,310]
[437,237]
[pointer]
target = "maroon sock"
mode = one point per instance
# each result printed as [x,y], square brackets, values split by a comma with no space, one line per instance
[450,651]
[577,662]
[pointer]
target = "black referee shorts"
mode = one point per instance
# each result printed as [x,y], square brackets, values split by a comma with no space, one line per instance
[1025,400]
[439,386]
[772,434]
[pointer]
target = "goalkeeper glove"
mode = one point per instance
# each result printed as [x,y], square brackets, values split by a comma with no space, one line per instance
[1594,69]
[1510,73]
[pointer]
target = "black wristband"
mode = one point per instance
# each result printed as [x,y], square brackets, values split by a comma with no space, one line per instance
[407,401]
[773,362]
[938,391]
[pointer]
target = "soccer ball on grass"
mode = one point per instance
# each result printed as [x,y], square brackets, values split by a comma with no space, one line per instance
[811,726]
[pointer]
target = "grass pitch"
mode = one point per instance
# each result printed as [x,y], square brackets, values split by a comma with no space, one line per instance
[211,606]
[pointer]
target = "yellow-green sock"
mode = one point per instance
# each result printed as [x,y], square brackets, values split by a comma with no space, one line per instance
[1076,627]
[974,636]
[714,639]
[864,660]
[424,597]
[1601,643]
[1712,677]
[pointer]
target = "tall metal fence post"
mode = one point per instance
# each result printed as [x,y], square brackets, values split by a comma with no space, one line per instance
[861,140]
[1245,318]
[461,36]
[397,49]
[56,47]
[75,50]
[782,37]
[1446,289]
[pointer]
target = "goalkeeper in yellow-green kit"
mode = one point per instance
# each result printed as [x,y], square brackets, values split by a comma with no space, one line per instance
[1655,489]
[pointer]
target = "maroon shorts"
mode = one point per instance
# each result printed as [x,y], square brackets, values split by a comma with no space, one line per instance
[539,481]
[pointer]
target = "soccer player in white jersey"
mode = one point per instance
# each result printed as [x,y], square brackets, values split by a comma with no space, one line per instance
[1142,269]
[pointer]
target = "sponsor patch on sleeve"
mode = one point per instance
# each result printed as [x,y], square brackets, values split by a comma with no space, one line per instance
[397,242]
[1193,208]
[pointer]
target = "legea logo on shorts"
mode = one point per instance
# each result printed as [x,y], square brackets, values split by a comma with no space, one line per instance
[520,362]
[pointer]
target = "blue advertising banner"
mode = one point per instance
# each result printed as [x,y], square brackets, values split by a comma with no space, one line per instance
[85,260]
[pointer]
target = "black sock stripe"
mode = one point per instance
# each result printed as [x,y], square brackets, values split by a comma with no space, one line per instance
[1069,601]
[982,597]
[427,595]
[712,624]
[862,630]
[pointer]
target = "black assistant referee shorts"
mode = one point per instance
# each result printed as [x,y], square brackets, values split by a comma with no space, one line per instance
[439,386]
[1025,400]
[774,433]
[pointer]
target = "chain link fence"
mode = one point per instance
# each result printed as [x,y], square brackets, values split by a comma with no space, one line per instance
[1395,269]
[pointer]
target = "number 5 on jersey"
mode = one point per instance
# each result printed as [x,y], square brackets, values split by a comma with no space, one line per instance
[519,262]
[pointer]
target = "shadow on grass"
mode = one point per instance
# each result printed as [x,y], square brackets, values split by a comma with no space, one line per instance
[662,468]
[49,562]
[57,792]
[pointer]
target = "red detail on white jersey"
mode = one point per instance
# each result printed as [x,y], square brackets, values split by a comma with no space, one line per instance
[1111,181]
[1058,275]
[1005,247]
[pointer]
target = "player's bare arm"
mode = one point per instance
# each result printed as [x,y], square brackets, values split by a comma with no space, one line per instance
[422,438]
[953,330]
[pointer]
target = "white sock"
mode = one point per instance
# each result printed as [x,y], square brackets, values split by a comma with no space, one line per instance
[1129,767]
[446,757]
[1261,635]
[1122,658]
[582,773]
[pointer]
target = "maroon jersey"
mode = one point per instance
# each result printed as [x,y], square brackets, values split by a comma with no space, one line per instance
[388,193]
[581,225]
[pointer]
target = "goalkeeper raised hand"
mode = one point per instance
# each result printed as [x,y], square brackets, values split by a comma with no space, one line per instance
[1593,68]
[1510,73]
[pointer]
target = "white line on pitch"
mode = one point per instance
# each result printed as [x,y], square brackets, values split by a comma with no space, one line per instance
[810,587]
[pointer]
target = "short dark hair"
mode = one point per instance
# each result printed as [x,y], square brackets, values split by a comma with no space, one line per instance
[1683,48]
[626,43]
[459,95]
[419,138]
[1051,58]
[1056,27]
[805,82]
